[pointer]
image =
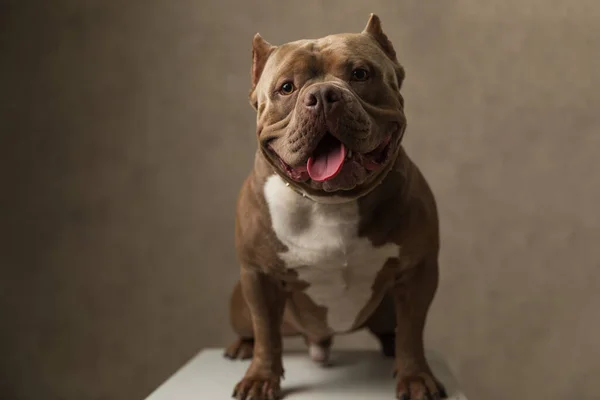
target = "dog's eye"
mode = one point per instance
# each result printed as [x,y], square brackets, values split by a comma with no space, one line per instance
[287,88]
[360,74]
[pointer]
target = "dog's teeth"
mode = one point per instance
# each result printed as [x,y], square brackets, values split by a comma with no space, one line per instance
[349,153]
[287,184]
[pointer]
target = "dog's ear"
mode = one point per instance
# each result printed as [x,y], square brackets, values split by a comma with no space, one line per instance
[261,50]
[374,30]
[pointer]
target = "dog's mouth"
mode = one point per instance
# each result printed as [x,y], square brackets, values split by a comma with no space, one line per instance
[327,159]
[331,157]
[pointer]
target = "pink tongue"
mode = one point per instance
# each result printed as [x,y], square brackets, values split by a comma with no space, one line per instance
[327,160]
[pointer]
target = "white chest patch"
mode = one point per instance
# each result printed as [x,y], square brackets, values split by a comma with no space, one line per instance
[324,248]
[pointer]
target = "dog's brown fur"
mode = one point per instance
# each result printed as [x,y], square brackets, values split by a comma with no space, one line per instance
[395,206]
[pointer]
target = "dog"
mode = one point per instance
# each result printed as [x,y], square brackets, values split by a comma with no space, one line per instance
[336,229]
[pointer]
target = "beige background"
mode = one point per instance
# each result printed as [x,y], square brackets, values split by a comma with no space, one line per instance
[126,132]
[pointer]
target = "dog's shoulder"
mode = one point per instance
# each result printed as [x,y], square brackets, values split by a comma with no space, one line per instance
[402,210]
[256,243]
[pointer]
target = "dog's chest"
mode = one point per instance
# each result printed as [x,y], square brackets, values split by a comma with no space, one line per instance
[324,248]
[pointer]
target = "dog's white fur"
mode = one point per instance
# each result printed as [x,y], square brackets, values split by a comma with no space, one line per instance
[323,246]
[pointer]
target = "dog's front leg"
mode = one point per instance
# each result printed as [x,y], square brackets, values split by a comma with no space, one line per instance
[265,297]
[413,293]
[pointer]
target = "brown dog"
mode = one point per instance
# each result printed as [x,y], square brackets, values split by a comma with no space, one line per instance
[337,229]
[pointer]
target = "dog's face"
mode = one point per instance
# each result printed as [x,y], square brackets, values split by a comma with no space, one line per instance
[330,113]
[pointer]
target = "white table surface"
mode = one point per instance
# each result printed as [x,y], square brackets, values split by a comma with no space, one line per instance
[353,375]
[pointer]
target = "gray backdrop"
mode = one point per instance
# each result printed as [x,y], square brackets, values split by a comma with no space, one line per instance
[126,132]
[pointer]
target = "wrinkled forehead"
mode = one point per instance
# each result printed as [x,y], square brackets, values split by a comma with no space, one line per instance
[327,55]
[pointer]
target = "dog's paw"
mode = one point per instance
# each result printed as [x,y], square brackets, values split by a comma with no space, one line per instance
[241,349]
[419,387]
[319,354]
[320,351]
[257,388]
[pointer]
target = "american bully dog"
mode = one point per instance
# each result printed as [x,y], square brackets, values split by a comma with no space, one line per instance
[337,229]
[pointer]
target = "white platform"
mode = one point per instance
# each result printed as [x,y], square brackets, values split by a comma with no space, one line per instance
[353,375]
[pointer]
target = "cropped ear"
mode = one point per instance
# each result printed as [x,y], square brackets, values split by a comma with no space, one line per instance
[261,50]
[373,29]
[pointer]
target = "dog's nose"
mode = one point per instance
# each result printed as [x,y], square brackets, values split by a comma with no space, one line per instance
[325,96]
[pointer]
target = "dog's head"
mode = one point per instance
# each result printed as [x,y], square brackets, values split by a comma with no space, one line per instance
[330,116]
